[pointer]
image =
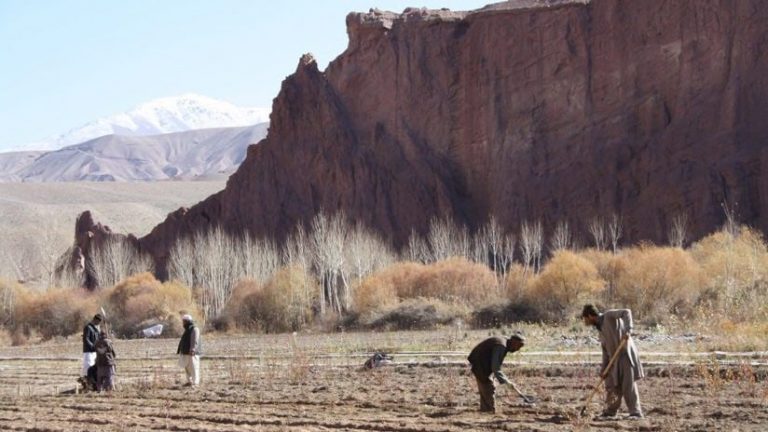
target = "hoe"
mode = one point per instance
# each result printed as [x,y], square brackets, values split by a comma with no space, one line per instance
[604,374]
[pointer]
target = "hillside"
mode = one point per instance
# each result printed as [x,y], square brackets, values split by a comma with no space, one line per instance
[550,110]
[181,155]
[37,219]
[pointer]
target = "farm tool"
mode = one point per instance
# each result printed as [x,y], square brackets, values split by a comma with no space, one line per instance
[604,374]
[530,400]
[104,317]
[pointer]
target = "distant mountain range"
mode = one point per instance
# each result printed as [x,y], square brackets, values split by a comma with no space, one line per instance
[184,137]
[186,155]
[159,116]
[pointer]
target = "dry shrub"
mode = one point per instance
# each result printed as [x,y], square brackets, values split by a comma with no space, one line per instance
[609,266]
[6,339]
[517,282]
[416,314]
[8,298]
[284,303]
[411,295]
[455,280]
[56,312]
[378,290]
[657,281]
[239,312]
[141,300]
[565,283]
[735,273]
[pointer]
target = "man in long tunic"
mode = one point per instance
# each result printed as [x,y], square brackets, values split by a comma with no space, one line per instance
[486,359]
[90,337]
[621,381]
[189,351]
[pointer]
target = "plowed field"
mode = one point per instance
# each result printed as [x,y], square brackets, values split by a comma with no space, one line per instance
[315,383]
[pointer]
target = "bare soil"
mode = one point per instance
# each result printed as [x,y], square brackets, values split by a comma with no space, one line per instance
[314,383]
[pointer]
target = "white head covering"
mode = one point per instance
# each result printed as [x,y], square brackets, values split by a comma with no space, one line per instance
[186,317]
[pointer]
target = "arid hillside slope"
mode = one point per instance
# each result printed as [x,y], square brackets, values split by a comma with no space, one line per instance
[551,110]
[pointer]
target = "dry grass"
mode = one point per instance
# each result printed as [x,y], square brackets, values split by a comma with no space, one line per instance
[734,273]
[655,282]
[56,312]
[566,282]
[409,295]
[455,281]
[141,300]
[284,303]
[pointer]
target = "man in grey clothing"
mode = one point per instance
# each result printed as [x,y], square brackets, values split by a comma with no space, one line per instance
[486,359]
[613,326]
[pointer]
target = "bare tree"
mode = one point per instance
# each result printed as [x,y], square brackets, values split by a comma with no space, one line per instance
[215,252]
[115,259]
[615,231]
[418,249]
[297,252]
[7,305]
[531,241]
[365,253]
[259,259]
[19,264]
[507,254]
[597,230]
[489,244]
[678,230]
[731,228]
[561,237]
[328,237]
[182,262]
[731,221]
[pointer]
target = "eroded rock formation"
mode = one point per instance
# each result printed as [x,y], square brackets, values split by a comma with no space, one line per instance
[557,110]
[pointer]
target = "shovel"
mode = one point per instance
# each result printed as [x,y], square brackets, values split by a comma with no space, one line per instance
[530,400]
[604,375]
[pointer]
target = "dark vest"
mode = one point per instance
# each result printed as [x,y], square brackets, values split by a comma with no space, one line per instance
[90,337]
[480,357]
[186,341]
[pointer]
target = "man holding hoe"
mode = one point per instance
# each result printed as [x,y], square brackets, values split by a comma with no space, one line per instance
[621,366]
[486,359]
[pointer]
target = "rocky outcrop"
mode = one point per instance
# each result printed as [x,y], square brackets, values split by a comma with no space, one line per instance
[556,110]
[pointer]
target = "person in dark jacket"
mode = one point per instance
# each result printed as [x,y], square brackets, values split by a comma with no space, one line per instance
[189,351]
[90,337]
[105,363]
[486,359]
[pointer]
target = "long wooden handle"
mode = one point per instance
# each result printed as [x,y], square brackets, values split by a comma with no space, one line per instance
[615,355]
[604,374]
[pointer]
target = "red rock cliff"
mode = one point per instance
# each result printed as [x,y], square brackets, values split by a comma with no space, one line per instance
[525,109]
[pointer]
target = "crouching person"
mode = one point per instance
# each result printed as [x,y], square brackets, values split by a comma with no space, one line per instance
[486,359]
[189,351]
[105,363]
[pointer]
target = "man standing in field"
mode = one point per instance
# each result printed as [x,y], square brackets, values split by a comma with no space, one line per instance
[90,337]
[105,363]
[613,326]
[486,359]
[189,351]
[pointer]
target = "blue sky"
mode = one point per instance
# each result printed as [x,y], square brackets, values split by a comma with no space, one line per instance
[64,63]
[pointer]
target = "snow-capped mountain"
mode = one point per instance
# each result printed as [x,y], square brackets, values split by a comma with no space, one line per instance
[180,155]
[160,116]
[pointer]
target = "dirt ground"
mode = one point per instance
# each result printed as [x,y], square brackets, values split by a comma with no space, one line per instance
[314,383]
